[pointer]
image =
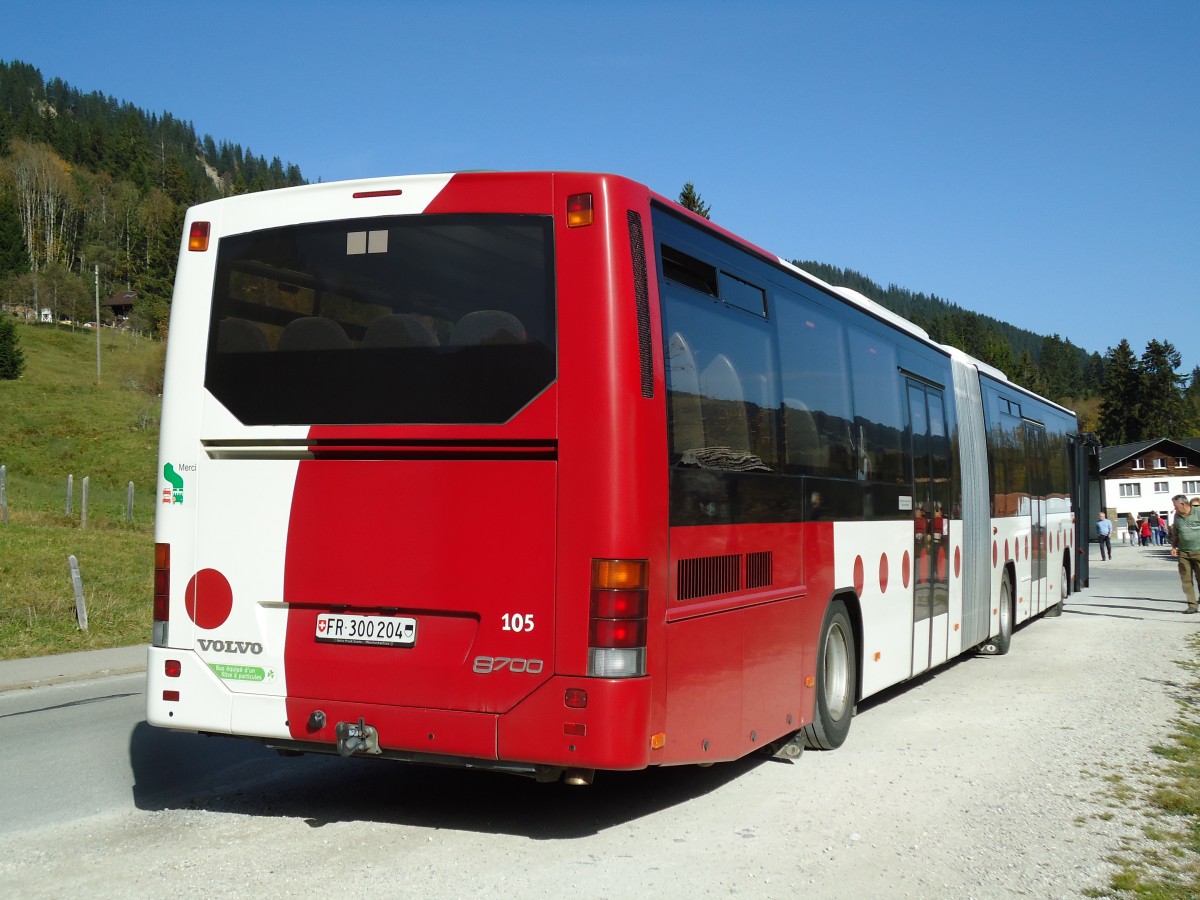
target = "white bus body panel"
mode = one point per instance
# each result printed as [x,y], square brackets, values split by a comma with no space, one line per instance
[234,677]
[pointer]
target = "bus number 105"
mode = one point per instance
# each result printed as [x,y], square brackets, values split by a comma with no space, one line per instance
[517,622]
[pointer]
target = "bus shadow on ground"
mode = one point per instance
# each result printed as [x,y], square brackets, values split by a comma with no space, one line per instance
[966,658]
[180,771]
[1094,606]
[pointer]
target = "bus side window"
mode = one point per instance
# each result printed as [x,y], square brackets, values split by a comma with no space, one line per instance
[725,406]
[687,414]
[816,380]
[877,435]
[722,383]
[807,452]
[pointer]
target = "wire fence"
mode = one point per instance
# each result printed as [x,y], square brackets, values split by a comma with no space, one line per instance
[77,502]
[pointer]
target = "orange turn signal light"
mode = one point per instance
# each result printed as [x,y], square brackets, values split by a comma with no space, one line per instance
[620,574]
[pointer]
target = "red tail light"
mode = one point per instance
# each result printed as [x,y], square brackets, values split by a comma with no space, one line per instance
[616,633]
[162,592]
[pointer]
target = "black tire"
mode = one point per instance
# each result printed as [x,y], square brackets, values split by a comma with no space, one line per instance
[998,645]
[837,681]
[1064,580]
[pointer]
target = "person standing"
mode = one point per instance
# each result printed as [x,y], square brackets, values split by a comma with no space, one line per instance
[1156,535]
[1131,528]
[1144,525]
[1103,532]
[1185,546]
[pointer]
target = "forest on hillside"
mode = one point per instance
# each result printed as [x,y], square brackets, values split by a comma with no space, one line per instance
[91,183]
[88,181]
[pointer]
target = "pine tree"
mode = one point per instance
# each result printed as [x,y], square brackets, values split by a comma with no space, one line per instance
[1121,397]
[1093,375]
[12,360]
[1193,396]
[1059,364]
[13,257]
[1028,375]
[689,199]
[998,353]
[1165,411]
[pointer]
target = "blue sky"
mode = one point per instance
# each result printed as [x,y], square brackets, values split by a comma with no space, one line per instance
[1038,162]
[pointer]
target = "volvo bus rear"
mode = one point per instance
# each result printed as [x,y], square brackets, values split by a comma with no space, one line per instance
[400,445]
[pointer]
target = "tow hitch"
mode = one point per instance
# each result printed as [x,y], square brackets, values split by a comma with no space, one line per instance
[789,747]
[356,738]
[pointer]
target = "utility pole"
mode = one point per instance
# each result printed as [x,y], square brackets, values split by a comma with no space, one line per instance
[97,324]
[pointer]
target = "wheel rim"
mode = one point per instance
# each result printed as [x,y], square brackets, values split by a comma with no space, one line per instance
[836,679]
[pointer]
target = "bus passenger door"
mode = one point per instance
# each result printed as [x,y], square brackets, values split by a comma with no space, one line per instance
[1035,453]
[940,488]
[931,526]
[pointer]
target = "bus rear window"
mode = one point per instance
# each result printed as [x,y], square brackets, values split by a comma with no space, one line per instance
[405,320]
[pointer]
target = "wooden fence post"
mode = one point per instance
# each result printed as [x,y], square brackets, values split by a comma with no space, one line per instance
[77,584]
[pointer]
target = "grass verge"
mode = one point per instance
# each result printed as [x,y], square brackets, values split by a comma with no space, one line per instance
[55,421]
[37,602]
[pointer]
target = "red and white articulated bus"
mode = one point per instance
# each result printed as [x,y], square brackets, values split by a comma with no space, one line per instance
[540,472]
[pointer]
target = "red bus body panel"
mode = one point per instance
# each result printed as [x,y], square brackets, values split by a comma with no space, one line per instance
[458,525]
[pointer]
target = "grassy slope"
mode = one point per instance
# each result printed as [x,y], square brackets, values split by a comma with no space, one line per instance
[56,421]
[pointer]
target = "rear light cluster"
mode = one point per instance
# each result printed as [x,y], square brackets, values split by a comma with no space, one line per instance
[198,236]
[617,625]
[162,592]
[579,210]
[172,668]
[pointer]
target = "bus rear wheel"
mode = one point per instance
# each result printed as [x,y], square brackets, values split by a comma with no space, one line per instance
[837,678]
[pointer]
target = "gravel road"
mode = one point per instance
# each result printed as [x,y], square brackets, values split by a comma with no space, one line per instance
[991,777]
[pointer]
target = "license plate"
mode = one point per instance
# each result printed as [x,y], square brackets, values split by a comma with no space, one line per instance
[385,631]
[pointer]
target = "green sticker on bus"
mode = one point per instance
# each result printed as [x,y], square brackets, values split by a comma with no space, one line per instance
[227,672]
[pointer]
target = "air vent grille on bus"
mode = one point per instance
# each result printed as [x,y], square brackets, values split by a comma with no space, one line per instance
[637,247]
[708,576]
[758,569]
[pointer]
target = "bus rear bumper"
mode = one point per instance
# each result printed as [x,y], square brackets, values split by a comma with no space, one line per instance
[567,723]
[610,732]
[185,693]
